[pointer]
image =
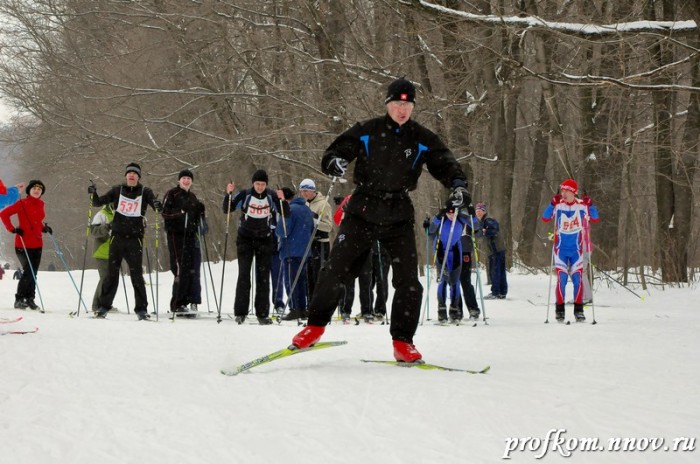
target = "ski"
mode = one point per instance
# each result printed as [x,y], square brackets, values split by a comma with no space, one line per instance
[283,353]
[19,332]
[184,315]
[10,321]
[466,322]
[427,367]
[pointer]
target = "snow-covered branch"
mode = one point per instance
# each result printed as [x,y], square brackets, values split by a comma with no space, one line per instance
[579,29]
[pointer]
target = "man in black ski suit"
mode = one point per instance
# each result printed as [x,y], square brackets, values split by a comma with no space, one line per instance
[129,201]
[182,214]
[389,153]
[256,230]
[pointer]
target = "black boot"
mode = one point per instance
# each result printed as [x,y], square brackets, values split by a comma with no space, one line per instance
[578,312]
[560,312]
[21,303]
[455,314]
[31,304]
[442,314]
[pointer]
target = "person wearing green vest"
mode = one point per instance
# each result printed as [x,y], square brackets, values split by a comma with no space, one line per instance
[100,230]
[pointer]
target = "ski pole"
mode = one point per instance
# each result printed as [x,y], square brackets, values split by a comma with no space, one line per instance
[426,313]
[477,271]
[31,268]
[589,271]
[148,268]
[223,267]
[126,297]
[65,264]
[211,275]
[87,236]
[203,270]
[286,244]
[448,245]
[157,301]
[549,287]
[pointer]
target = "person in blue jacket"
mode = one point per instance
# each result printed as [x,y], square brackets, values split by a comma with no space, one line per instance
[490,235]
[448,254]
[294,232]
[9,195]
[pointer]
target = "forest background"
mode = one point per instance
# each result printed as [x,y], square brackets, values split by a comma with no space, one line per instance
[526,94]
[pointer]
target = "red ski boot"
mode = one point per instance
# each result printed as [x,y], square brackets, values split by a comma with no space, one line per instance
[309,336]
[406,352]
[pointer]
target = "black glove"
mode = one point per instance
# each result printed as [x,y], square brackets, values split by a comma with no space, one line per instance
[471,210]
[157,205]
[337,167]
[18,231]
[92,190]
[459,198]
[426,223]
[47,229]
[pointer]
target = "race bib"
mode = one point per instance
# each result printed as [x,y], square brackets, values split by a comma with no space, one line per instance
[258,208]
[570,225]
[129,207]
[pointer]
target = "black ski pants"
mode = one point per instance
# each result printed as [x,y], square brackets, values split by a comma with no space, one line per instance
[261,249]
[26,287]
[350,249]
[129,249]
[182,265]
[465,278]
[318,256]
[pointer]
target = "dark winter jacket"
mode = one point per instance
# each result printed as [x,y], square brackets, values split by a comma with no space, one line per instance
[467,242]
[182,212]
[389,159]
[30,215]
[294,234]
[128,217]
[440,229]
[490,235]
[258,218]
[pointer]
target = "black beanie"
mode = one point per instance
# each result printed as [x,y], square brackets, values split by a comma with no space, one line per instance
[288,193]
[33,183]
[133,167]
[401,90]
[260,176]
[185,173]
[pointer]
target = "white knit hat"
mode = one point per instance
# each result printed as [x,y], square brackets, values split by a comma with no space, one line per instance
[307,184]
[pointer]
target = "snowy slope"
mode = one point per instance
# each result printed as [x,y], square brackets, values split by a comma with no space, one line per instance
[120,391]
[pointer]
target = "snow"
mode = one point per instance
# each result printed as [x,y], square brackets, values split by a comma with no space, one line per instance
[83,390]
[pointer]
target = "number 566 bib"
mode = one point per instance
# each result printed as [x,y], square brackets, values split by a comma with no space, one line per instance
[129,207]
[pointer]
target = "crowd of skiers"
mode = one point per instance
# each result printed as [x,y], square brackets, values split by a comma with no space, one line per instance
[284,238]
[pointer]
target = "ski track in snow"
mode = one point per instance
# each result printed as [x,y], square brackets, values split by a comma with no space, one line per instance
[83,390]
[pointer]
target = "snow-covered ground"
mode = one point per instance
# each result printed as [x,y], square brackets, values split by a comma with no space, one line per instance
[90,391]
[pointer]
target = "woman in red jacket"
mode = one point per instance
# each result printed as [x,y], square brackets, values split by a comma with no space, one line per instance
[28,241]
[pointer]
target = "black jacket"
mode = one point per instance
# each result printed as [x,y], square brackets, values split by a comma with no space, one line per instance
[389,159]
[182,212]
[127,223]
